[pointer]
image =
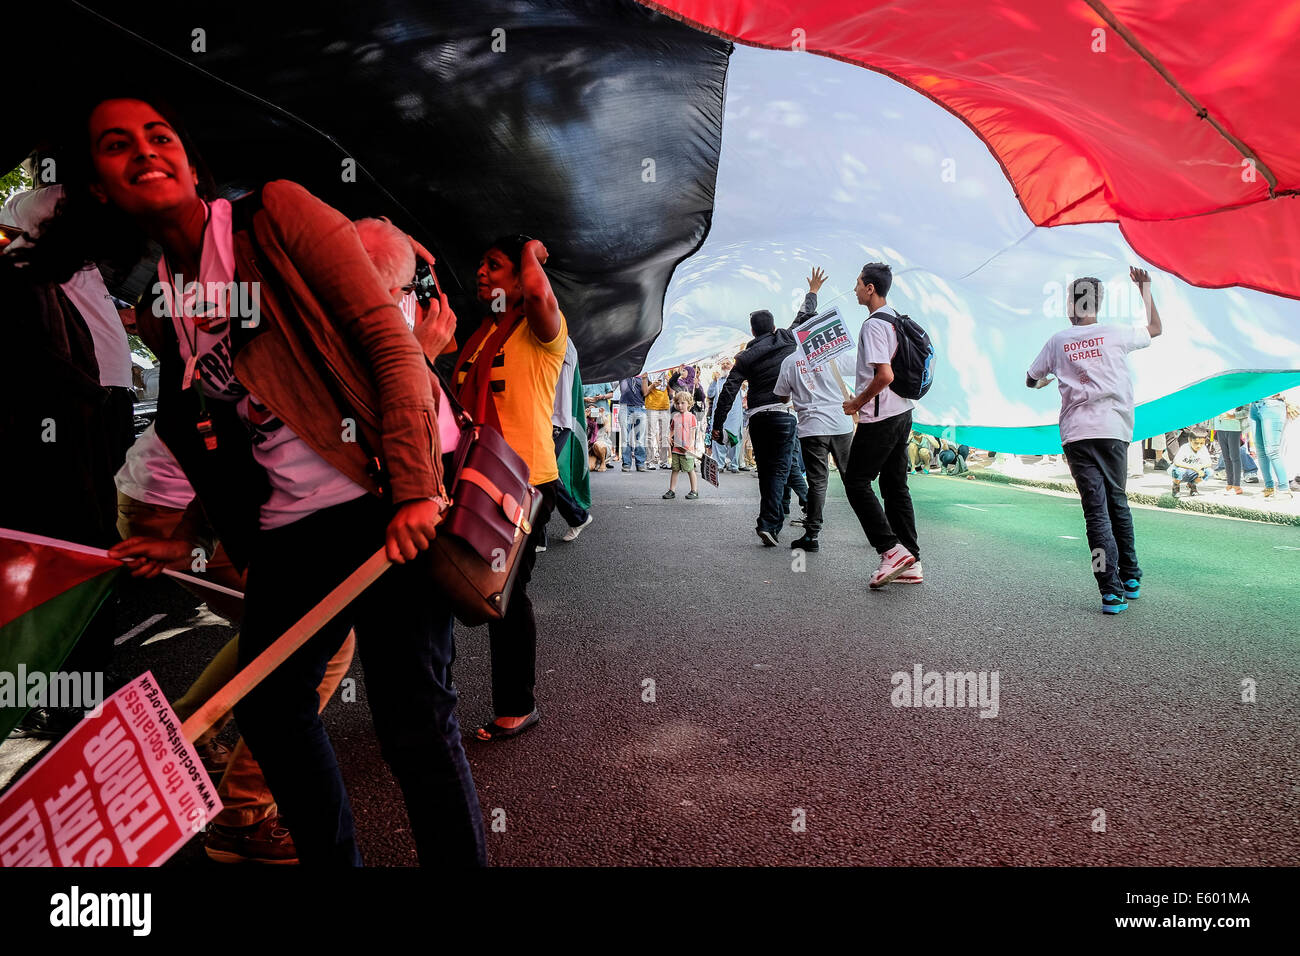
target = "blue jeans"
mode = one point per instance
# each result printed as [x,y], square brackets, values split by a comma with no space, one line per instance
[634,426]
[772,434]
[404,635]
[1186,474]
[1269,416]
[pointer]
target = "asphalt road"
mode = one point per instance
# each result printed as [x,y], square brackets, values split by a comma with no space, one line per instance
[771,737]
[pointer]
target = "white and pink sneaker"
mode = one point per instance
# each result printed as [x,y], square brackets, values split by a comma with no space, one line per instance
[892,563]
[911,576]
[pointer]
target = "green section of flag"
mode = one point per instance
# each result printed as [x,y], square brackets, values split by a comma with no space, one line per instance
[43,638]
[1187,406]
[571,459]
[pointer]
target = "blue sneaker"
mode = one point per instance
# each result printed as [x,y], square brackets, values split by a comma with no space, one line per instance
[1113,604]
[1132,588]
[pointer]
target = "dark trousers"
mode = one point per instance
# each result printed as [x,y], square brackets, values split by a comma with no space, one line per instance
[795,480]
[513,639]
[772,433]
[815,450]
[1100,469]
[1230,445]
[572,512]
[404,634]
[879,450]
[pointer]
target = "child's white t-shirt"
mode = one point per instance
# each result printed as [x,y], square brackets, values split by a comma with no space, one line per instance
[1187,457]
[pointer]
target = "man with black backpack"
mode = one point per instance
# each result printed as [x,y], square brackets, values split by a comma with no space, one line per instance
[894,368]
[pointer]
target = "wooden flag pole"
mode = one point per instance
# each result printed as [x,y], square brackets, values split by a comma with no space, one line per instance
[297,635]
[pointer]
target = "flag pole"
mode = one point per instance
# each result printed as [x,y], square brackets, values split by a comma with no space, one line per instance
[297,635]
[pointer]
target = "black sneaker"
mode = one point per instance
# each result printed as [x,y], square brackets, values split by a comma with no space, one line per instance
[670,494]
[1177,488]
[807,542]
[1191,489]
[769,538]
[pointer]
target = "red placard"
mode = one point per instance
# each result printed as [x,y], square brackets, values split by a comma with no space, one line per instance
[124,788]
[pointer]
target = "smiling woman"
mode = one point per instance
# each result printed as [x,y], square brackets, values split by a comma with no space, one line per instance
[246,410]
[85,229]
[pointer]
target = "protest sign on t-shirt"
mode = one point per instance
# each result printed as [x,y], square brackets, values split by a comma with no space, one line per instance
[124,788]
[1090,363]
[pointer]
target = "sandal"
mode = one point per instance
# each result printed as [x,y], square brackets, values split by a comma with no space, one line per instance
[494,731]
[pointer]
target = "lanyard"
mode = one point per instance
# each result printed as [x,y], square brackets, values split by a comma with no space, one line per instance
[190,377]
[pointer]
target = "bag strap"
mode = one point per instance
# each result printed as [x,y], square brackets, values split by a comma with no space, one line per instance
[491,346]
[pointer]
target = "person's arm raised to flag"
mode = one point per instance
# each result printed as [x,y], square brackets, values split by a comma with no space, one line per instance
[815,281]
[1143,280]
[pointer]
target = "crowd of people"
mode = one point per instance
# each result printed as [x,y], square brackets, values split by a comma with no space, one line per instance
[1254,444]
[288,449]
[288,446]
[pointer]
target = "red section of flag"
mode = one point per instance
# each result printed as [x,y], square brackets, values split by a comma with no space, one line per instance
[1175,118]
[34,569]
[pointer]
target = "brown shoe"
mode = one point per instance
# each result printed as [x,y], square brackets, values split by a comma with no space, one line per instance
[265,842]
[215,756]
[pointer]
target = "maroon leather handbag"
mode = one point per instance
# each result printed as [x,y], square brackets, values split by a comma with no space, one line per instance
[480,543]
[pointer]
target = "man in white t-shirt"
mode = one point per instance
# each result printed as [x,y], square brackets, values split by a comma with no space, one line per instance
[1090,362]
[879,448]
[823,430]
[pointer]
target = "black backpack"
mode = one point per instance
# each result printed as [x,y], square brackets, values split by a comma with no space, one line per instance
[913,362]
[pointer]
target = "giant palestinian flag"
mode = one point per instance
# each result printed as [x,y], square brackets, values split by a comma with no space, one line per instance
[989,151]
[49,591]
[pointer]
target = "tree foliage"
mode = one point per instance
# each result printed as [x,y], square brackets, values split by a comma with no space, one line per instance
[14,181]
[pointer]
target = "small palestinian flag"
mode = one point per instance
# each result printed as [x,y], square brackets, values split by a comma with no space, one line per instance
[49,591]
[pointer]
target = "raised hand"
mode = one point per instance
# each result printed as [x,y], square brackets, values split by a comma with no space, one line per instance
[538,250]
[816,279]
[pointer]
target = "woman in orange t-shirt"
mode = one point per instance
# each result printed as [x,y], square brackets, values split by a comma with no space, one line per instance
[513,287]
